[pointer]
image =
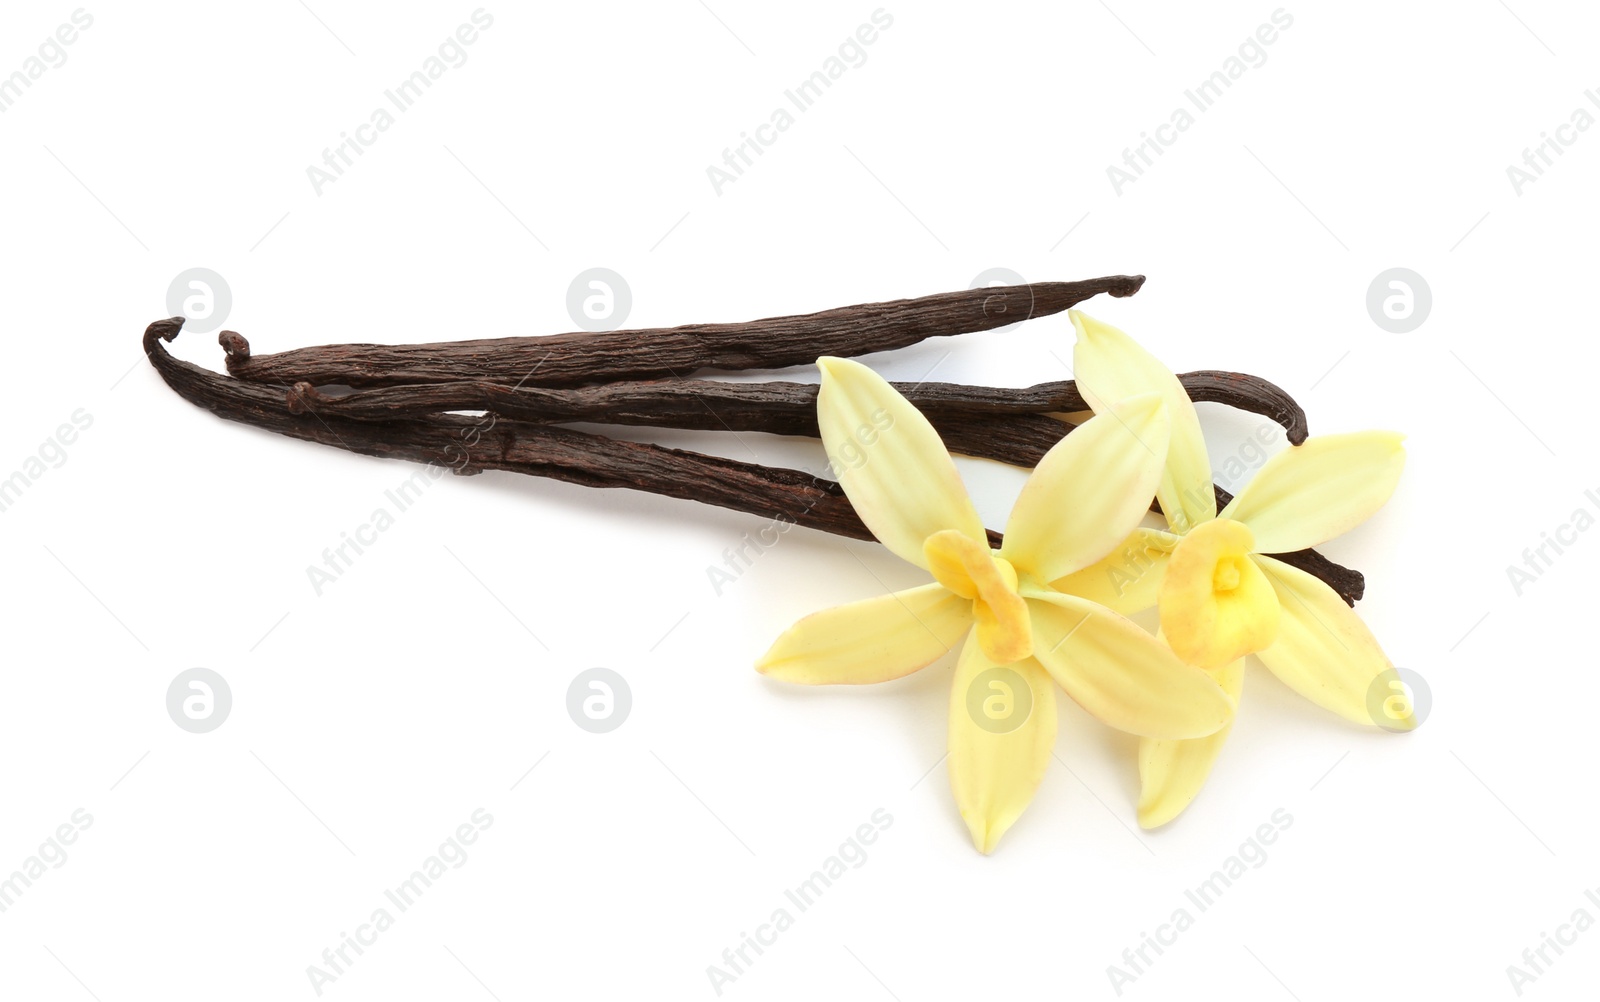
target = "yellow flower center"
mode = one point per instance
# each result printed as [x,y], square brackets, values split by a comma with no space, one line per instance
[1216,604]
[970,569]
[1226,576]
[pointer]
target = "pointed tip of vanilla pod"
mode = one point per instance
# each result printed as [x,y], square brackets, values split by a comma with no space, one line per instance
[234,346]
[165,329]
[1130,285]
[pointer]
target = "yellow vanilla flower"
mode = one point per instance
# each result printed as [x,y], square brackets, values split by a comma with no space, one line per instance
[1015,632]
[1220,596]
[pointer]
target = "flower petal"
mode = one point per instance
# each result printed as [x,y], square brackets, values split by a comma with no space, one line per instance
[1324,651]
[1002,731]
[891,463]
[1121,674]
[1109,366]
[1128,579]
[1216,604]
[1172,772]
[871,641]
[1090,490]
[1310,493]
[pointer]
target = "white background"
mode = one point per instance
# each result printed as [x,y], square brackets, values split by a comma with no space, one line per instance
[369,722]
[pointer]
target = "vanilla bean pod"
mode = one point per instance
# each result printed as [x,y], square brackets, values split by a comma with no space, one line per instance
[579,358]
[463,444]
[467,446]
[777,407]
[1004,425]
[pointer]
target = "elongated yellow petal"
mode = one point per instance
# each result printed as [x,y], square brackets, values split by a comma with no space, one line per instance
[1121,674]
[1310,493]
[1002,729]
[1324,651]
[1128,579]
[1109,366]
[1216,604]
[1090,490]
[891,463]
[1172,772]
[871,641]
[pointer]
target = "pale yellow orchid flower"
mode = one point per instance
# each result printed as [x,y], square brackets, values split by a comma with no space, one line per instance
[1220,596]
[1015,632]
